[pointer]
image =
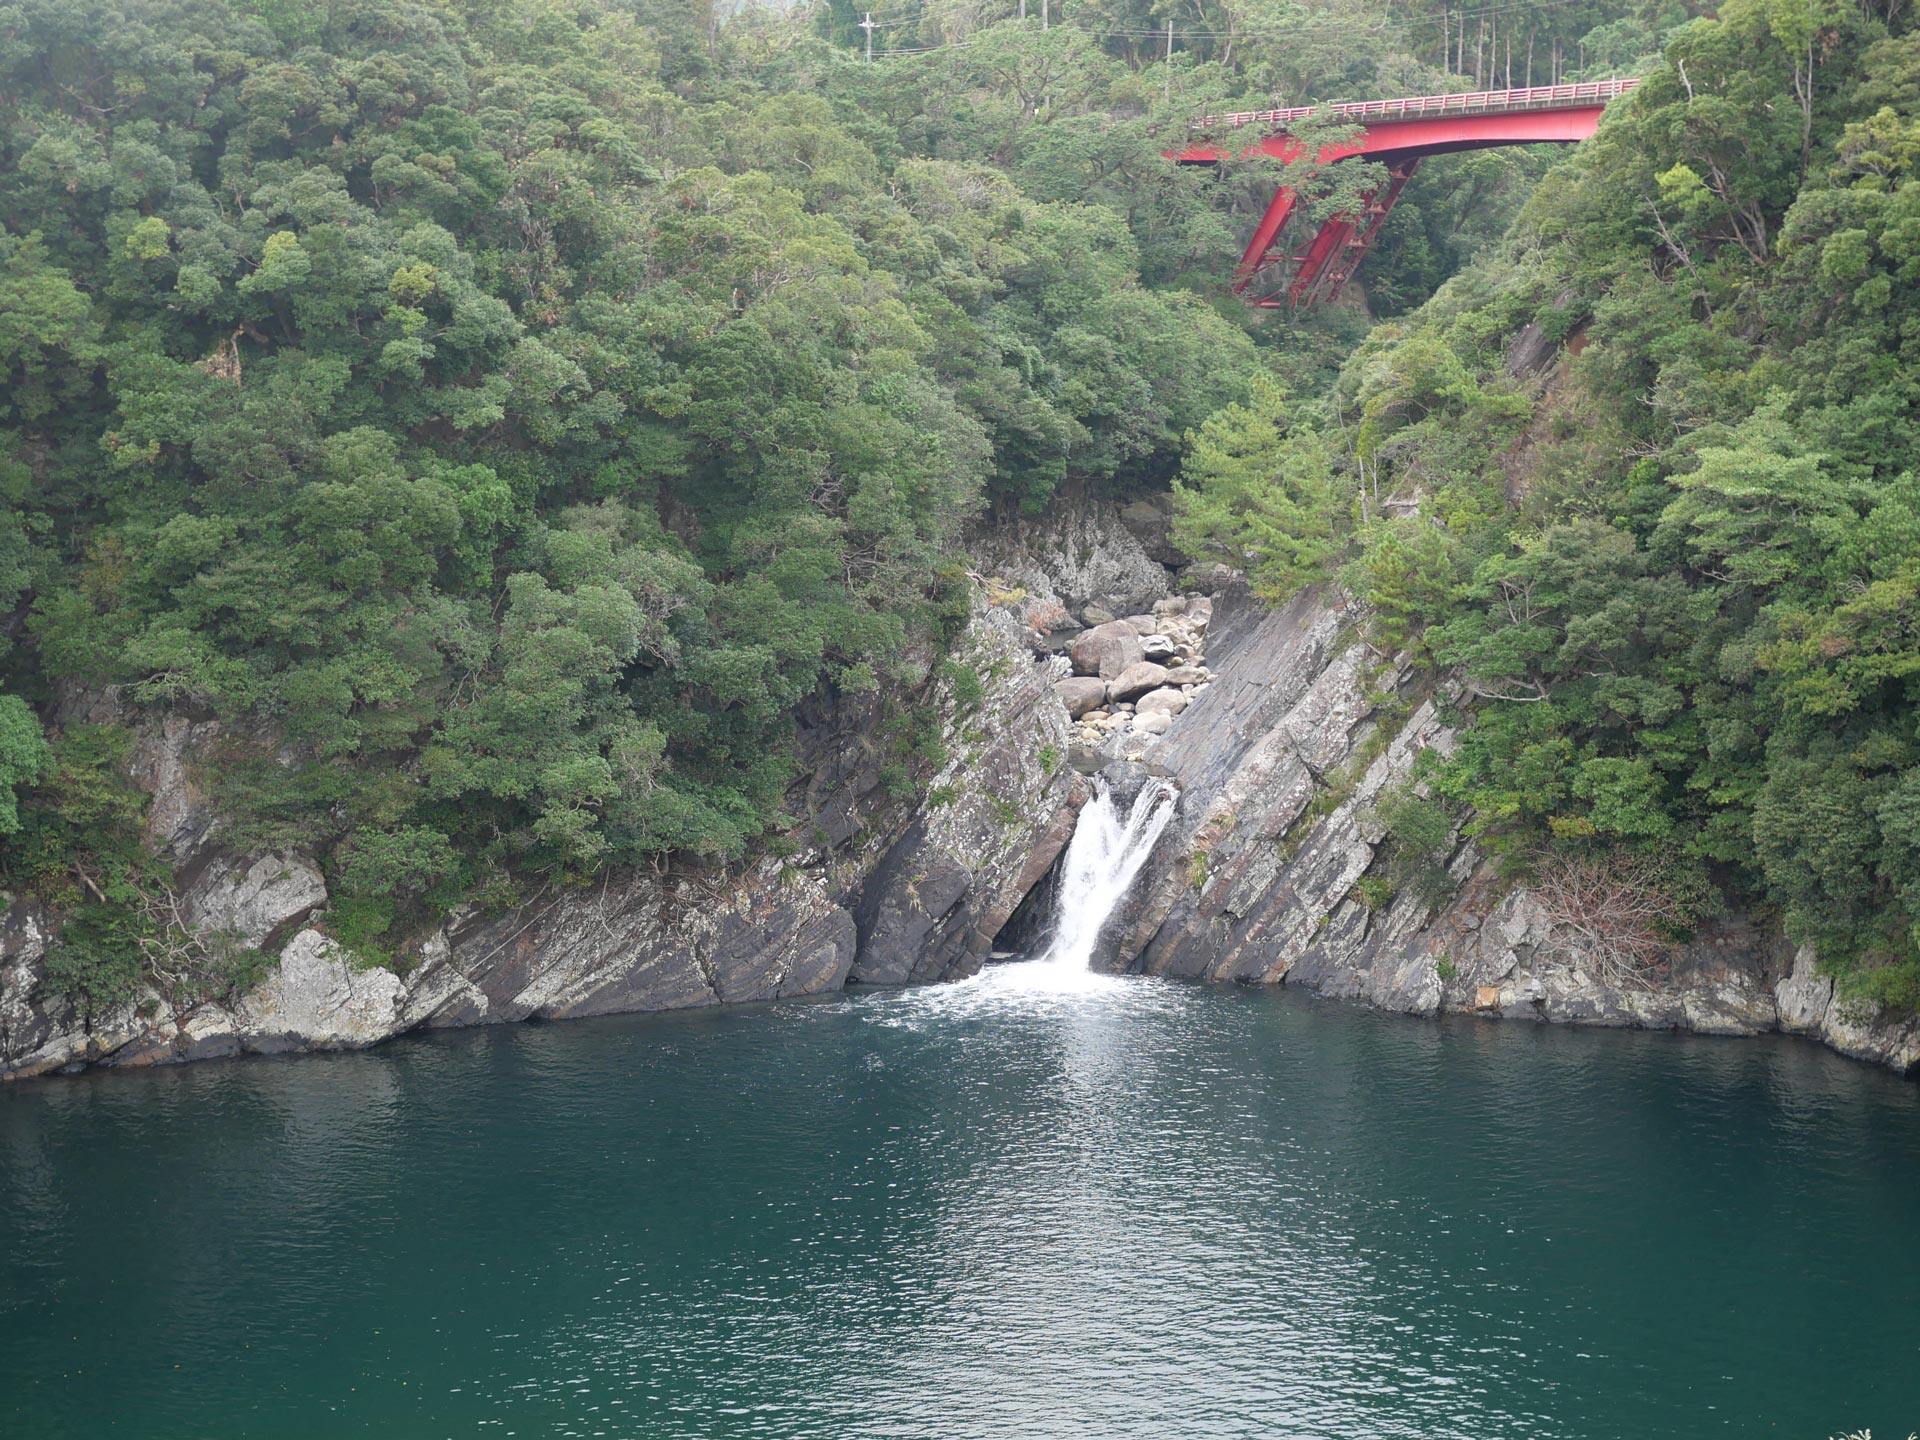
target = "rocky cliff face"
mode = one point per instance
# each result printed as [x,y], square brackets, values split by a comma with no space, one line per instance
[1080,564]
[1280,728]
[879,888]
[1280,762]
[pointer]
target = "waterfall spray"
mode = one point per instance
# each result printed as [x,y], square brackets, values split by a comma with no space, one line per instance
[1105,854]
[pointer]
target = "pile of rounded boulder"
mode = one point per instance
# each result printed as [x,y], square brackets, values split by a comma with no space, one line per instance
[1132,677]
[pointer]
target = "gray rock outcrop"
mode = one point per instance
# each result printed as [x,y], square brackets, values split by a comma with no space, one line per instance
[994,819]
[1150,521]
[882,888]
[1280,759]
[1806,1004]
[1078,554]
[317,999]
[251,903]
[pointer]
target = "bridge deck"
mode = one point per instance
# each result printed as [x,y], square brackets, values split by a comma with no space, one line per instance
[1399,132]
[1475,102]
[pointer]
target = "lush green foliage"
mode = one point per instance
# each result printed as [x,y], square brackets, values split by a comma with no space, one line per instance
[502,413]
[1678,563]
[1259,496]
[504,416]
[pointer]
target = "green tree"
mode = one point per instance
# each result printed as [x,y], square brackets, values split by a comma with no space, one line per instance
[1260,494]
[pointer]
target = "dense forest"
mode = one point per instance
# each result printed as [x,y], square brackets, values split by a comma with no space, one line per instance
[1679,571]
[502,415]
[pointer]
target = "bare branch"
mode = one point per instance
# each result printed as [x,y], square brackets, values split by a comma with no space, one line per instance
[1610,916]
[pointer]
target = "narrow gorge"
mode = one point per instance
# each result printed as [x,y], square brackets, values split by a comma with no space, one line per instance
[1098,655]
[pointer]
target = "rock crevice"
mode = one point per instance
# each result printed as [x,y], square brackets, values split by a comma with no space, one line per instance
[1279,764]
[880,888]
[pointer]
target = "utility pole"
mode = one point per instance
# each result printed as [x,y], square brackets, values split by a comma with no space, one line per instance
[1023,12]
[1043,14]
[1168,66]
[867,25]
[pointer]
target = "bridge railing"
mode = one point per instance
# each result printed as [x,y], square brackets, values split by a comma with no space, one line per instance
[1533,97]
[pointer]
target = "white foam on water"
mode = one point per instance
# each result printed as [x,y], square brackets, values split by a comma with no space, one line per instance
[1102,860]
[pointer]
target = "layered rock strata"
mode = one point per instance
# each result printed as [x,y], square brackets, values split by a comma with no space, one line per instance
[1280,761]
[879,888]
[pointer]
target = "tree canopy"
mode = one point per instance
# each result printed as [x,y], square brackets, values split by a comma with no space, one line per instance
[1674,564]
[500,416]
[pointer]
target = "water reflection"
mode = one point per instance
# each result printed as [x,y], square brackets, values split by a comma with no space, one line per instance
[1034,1204]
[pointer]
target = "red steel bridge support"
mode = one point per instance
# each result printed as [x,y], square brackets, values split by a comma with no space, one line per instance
[1400,134]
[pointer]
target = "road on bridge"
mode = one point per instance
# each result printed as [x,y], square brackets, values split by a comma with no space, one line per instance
[1399,134]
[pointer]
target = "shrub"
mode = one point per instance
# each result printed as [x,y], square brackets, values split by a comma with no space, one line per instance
[1373,891]
[1611,914]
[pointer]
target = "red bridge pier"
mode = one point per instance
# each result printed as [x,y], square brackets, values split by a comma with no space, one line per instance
[1400,134]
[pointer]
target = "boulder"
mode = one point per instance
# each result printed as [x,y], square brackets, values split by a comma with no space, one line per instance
[1188,675]
[318,1000]
[1158,648]
[1164,701]
[1136,680]
[1106,650]
[1155,723]
[251,903]
[1081,693]
[1096,615]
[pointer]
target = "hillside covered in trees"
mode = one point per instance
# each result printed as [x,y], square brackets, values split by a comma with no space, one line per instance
[1656,463]
[503,415]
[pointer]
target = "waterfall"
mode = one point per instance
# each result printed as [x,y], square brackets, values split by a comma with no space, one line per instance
[1105,854]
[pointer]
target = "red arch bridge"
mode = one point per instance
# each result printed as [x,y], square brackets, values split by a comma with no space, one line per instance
[1399,134]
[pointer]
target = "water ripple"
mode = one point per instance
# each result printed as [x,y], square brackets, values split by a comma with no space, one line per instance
[1033,1204]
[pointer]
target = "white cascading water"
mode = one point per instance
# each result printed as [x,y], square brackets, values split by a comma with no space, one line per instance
[1106,852]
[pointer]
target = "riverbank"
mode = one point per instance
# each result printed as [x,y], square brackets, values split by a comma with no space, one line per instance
[1280,728]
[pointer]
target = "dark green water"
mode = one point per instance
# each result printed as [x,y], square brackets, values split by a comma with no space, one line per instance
[1142,1210]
